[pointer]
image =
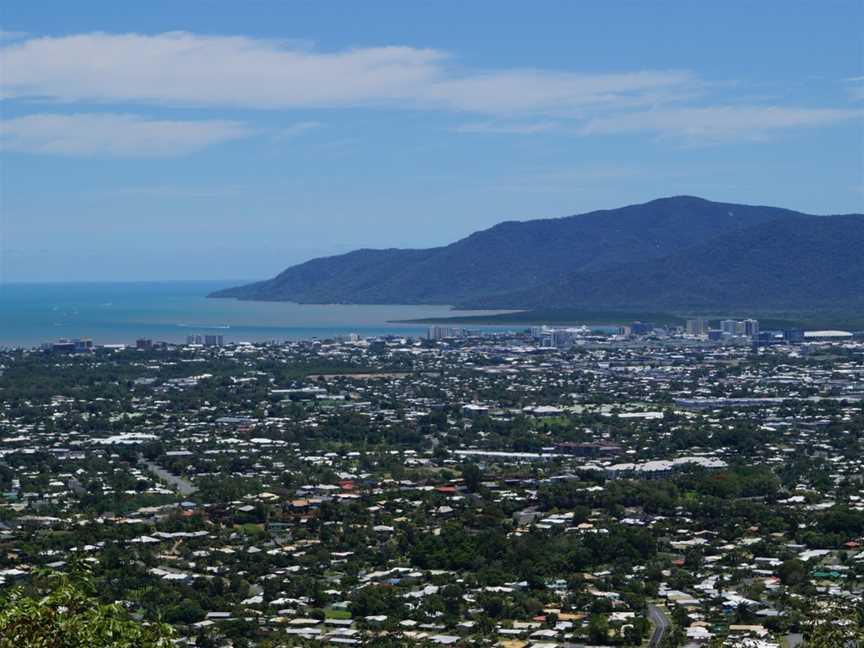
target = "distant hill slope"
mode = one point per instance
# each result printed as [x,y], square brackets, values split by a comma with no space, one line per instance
[510,256]
[800,263]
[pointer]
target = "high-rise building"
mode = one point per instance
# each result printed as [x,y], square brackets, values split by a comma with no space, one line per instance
[441,332]
[741,328]
[751,327]
[697,326]
[562,338]
[213,340]
[793,335]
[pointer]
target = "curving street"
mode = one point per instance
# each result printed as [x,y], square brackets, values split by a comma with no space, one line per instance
[661,624]
[183,486]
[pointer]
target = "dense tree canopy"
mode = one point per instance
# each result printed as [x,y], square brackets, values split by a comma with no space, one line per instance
[68,616]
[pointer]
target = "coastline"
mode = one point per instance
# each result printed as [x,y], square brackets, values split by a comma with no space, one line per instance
[573,317]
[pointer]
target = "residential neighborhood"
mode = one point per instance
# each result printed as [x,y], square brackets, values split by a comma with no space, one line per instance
[514,489]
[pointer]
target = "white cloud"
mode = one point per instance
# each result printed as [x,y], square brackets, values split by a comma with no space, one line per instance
[180,68]
[508,128]
[296,130]
[184,69]
[539,91]
[113,135]
[717,122]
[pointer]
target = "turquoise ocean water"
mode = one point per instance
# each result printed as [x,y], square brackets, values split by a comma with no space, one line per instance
[110,313]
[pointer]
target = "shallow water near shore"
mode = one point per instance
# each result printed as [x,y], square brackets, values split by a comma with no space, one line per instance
[121,312]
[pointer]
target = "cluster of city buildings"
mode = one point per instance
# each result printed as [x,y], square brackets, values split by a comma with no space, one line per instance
[557,487]
[70,345]
[209,339]
[728,328]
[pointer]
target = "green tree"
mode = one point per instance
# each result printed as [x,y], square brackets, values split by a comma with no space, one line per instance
[793,572]
[472,475]
[69,616]
[598,629]
[832,627]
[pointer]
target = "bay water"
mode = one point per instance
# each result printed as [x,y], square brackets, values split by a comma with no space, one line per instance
[121,312]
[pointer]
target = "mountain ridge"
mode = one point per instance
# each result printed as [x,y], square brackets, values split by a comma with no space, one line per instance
[540,263]
[790,250]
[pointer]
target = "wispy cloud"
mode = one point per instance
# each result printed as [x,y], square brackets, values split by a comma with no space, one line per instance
[171,191]
[533,91]
[717,122]
[295,130]
[114,135]
[181,68]
[855,87]
[508,128]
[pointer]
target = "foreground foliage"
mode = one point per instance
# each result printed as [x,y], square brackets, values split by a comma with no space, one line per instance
[68,616]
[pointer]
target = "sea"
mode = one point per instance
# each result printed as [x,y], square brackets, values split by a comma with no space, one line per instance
[122,312]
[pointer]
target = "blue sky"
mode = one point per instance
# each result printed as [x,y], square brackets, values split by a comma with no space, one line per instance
[179,140]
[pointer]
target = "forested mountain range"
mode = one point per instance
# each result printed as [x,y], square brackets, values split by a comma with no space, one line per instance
[675,253]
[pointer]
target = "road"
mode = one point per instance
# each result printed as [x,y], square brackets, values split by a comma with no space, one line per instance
[183,486]
[661,624]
